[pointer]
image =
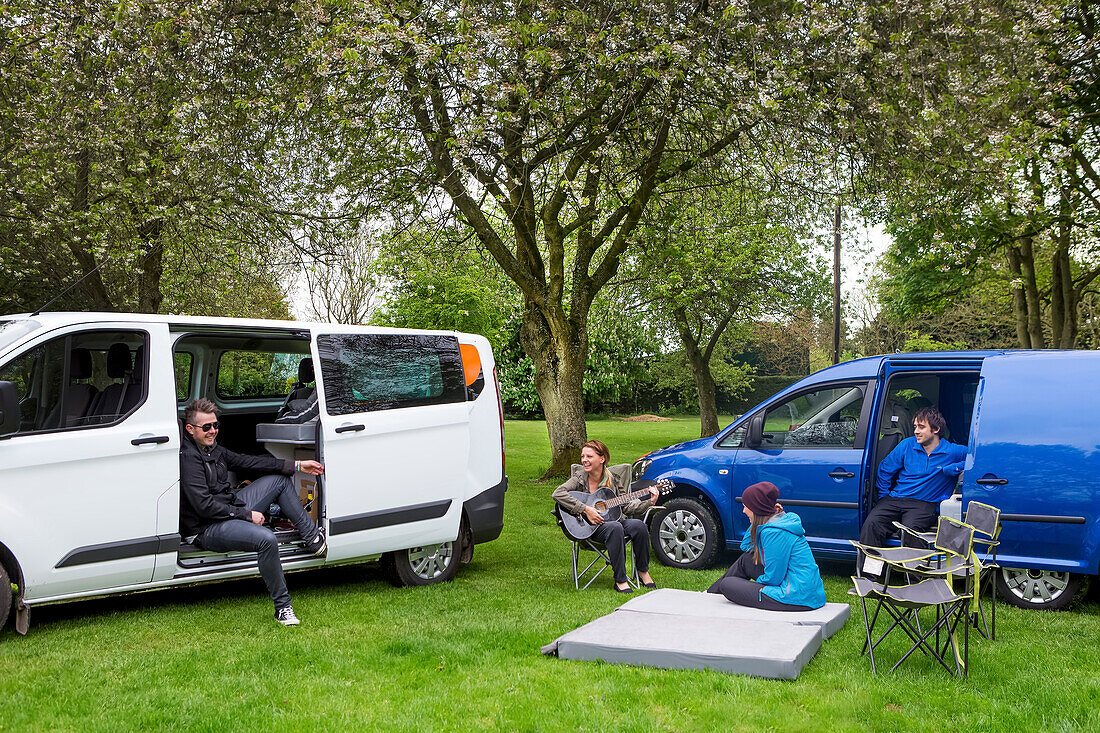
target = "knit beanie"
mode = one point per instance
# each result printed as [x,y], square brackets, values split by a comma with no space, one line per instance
[761,498]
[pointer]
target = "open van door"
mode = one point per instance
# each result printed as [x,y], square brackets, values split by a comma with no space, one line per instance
[1034,454]
[394,438]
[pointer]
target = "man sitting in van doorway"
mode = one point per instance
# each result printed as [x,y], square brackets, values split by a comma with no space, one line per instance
[221,519]
[926,467]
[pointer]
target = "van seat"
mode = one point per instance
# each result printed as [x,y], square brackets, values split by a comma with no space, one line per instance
[119,398]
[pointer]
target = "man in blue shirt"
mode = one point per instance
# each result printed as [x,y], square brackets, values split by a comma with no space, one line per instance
[926,466]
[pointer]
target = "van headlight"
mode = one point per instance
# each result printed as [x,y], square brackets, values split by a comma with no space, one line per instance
[640,467]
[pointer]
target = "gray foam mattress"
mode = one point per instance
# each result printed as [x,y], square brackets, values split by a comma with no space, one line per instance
[770,649]
[830,617]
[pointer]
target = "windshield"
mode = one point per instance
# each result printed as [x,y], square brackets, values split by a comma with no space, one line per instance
[12,331]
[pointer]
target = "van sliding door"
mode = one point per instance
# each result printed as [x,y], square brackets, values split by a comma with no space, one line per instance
[1034,453]
[395,438]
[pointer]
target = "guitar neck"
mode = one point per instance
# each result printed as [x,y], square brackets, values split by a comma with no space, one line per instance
[626,498]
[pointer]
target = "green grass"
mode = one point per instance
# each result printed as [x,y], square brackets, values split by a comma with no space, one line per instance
[465,655]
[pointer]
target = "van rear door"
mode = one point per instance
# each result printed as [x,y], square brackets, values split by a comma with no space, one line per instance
[1035,453]
[394,438]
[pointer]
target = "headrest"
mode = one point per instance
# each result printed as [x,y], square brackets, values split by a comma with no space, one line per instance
[80,364]
[118,361]
[139,363]
[305,370]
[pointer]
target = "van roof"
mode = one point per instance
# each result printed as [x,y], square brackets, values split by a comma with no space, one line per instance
[53,319]
[869,366]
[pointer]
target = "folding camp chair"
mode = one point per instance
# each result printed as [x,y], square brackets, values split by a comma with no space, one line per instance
[986,521]
[594,566]
[927,583]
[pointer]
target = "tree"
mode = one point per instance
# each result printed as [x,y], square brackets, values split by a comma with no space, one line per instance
[720,256]
[550,126]
[138,136]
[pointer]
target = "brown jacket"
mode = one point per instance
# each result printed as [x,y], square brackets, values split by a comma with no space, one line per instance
[620,484]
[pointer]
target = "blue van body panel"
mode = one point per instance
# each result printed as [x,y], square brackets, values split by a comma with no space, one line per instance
[1035,423]
[1036,428]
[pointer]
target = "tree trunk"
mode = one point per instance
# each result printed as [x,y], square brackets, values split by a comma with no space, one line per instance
[1019,300]
[1063,295]
[92,284]
[700,372]
[558,347]
[150,295]
[1031,293]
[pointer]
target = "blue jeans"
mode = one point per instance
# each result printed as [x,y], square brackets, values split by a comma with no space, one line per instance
[237,534]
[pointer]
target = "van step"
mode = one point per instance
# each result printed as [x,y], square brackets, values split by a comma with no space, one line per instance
[192,556]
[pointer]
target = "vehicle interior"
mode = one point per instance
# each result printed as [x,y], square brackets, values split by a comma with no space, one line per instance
[85,379]
[953,393]
[252,377]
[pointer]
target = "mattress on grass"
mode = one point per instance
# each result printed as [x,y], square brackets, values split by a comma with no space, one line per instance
[831,617]
[771,649]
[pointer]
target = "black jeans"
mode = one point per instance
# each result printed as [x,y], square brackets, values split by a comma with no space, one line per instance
[237,534]
[915,514]
[738,586]
[613,536]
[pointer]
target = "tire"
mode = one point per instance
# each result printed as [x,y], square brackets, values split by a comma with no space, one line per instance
[685,534]
[1044,590]
[424,565]
[5,596]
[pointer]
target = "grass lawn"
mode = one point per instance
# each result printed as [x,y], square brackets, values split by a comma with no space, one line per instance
[465,655]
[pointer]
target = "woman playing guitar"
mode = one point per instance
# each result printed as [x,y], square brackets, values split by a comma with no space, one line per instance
[593,475]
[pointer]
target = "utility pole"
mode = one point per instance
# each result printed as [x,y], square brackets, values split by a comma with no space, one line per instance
[836,285]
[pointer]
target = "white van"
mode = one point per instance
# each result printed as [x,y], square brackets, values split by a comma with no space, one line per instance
[409,428]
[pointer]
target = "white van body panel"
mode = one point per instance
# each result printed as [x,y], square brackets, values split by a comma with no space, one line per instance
[89,488]
[85,513]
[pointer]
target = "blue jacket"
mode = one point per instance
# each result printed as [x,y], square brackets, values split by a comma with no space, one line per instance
[790,572]
[928,477]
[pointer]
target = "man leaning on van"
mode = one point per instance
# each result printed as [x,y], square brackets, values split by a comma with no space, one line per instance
[217,518]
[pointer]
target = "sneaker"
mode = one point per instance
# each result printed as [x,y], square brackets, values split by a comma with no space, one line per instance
[318,544]
[286,617]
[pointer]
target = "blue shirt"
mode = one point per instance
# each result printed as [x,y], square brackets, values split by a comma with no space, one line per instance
[924,476]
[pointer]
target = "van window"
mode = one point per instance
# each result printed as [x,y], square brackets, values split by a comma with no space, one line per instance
[367,372]
[78,380]
[182,362]
[256,374]
[823,418]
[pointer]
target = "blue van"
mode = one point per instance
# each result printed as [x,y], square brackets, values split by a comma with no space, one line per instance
[1030,421]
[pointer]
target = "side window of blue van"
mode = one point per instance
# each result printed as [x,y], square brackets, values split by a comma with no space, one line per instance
[827,417]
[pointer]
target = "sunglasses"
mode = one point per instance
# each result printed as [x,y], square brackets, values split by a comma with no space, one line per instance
[206,427]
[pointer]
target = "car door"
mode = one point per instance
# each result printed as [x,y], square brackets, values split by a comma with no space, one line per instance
[394,438]
[812,448]
[97,447]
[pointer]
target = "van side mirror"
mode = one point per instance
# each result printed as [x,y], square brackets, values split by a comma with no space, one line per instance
[754,434]
[9,409]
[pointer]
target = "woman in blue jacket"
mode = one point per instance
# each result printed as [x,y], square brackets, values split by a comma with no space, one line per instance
[776,571]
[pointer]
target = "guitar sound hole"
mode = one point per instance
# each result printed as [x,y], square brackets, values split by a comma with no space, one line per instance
[600,507]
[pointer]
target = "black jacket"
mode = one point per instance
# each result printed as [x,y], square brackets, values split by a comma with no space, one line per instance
[207,497]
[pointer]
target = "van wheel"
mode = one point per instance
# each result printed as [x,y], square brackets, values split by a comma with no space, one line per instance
[1044,590]
[5,595]
[685,534]
[424,565]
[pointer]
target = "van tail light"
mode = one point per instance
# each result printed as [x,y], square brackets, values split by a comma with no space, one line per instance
[500,412]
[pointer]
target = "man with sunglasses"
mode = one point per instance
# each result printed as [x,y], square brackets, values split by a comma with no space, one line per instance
[217,518]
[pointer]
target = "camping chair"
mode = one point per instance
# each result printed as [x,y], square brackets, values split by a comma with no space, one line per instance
[927,584]
[594,566]
[986,521]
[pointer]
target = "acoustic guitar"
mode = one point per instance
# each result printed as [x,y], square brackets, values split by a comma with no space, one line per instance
[605,502]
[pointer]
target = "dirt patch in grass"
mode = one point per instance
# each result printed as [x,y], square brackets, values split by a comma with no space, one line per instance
[644,418]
